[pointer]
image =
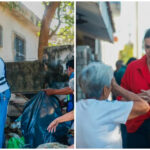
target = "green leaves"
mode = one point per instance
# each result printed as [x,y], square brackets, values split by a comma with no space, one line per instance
[62,29]
[13,5]
[39,24]
[38,33]
[65,33]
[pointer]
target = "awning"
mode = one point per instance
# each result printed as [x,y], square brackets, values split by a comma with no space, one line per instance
[95,20]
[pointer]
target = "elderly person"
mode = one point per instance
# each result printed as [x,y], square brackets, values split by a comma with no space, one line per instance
[137,79]
[98,119]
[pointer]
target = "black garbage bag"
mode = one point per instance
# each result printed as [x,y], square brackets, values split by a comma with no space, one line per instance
[38,113]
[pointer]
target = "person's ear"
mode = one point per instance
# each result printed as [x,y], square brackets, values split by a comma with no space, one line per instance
[106,91]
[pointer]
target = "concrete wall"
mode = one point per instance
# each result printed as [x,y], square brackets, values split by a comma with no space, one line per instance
[12,26]
[84,57]
[32,76]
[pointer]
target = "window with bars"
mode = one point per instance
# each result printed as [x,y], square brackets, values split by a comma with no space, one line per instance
[19,48]
[1,36]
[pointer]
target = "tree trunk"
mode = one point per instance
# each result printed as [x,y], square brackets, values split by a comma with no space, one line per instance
[44,32]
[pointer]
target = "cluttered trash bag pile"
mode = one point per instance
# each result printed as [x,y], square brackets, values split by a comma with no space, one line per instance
[38,113]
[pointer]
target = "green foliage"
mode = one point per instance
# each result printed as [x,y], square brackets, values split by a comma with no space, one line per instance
[64,37]
[65,33]
[39,24]
[64,28]
[13,5]
[126,53]
[38,33]
[66,13]
[45,4]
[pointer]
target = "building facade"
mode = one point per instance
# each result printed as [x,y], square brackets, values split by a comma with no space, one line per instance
[95,29]
[18,33]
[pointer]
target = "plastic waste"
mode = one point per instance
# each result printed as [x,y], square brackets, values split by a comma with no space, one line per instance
[14,142]
[18,119]
[15,125]
[38,113]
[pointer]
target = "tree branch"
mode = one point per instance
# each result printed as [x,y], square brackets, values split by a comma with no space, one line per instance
[59,23]
[45,24]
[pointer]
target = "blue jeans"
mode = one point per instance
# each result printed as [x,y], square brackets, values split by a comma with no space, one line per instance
[4,99]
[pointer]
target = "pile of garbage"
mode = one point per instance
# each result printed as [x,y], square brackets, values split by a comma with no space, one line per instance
[13,134]
[38,113]
[27,128]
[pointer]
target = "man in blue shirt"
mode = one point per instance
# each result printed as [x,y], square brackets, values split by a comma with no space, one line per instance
[67,90]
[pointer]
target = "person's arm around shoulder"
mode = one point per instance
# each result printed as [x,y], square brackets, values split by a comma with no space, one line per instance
[140,106]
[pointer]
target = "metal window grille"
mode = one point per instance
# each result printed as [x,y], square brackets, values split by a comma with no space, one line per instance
[20,49]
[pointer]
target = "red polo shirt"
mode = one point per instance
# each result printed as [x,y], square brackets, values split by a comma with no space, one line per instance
[136,77]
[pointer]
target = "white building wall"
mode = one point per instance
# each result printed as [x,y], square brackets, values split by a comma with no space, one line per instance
[109,53]
[11,26]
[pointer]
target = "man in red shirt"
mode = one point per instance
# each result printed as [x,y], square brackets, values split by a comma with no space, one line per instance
[137,80]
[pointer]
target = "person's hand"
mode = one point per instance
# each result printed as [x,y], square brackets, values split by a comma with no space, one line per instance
[145,94]
[52,126]
[48,91]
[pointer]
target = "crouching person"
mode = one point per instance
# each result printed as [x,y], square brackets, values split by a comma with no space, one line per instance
[98,119]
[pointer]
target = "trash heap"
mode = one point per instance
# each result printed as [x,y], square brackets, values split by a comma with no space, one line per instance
[13,135]
[29,77]
[38,113]
[29,130]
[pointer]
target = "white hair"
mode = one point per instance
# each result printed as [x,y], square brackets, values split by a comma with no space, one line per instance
[93,78]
